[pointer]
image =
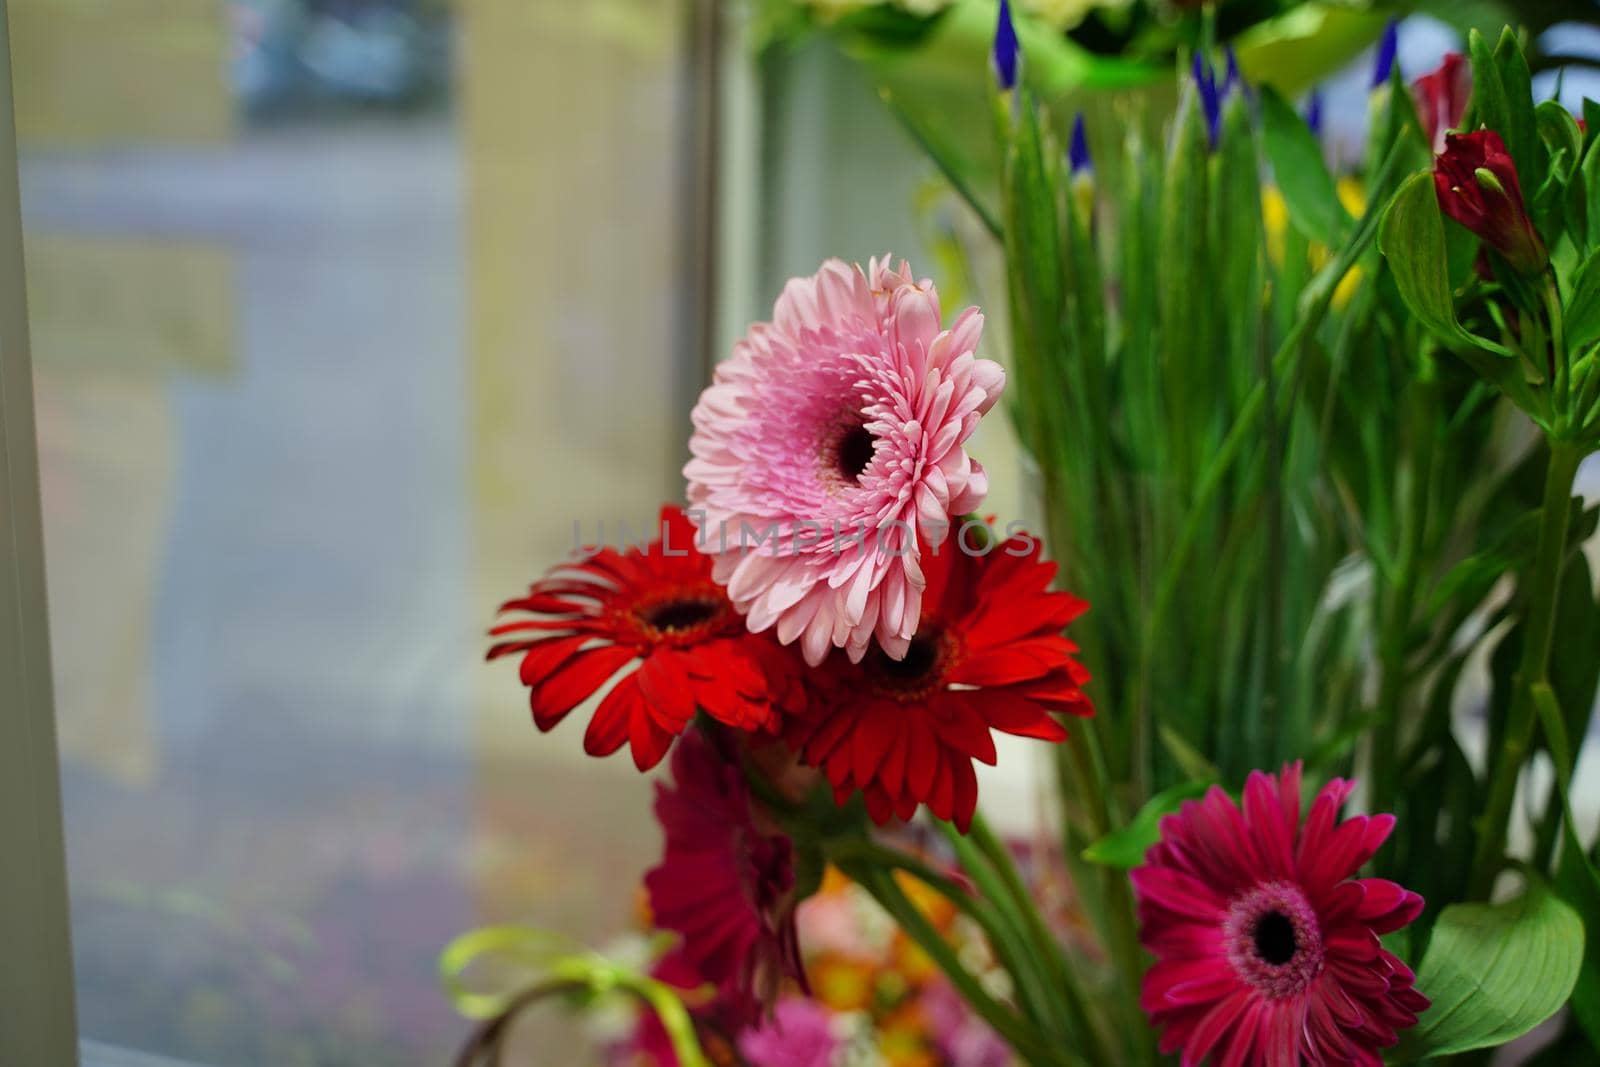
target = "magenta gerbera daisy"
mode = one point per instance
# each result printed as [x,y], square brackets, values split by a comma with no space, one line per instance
[654,615]
[1266,947]
[827,444]
[724,882]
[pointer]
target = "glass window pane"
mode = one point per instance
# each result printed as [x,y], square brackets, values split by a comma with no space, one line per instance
[344,311]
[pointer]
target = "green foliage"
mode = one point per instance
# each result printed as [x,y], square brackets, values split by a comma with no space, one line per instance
[1301,172]
[1291,448]
[1125,847]
[1495,971]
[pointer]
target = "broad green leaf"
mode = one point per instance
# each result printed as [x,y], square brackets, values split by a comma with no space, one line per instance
[1305,44]
[1412,238]
[1495,971]
[1591,185]
[1489,106]
[1485,16]
[1300,171]
[1582,314]
[1560,130]
[1126,847]
[1521,131]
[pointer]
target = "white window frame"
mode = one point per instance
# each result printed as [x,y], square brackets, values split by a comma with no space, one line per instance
[37,1009]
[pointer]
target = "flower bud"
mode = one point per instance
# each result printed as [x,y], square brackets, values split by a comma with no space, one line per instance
[1441,98]
[1388,52]
[1007,53]
[1477,185]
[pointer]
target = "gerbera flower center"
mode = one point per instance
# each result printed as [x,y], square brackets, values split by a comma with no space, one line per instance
[1274,940]
[684,616]
[855,452]
[916,675]
[1274,936]
[678,615]
[847,448]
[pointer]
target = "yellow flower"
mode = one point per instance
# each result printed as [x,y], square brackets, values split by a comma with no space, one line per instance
[842,984]
[1275,219]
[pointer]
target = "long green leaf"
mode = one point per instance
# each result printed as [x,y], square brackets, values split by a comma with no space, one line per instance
[1301,173]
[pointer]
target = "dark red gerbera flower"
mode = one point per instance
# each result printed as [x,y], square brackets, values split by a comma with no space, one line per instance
[988,655]
[657,606]
[1266,947]
[724,883]
[1477,184]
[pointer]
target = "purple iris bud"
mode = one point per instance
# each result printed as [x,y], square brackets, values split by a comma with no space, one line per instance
[1234,78]
[1388,49]
[1007,52]
[1205,80]
[1314,112]
[1078,152]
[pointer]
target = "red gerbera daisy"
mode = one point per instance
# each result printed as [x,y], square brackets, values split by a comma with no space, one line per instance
[1267,949]
[988,655]
[659,606]
[724,883]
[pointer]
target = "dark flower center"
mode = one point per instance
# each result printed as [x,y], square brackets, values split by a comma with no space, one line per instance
[1274,938]
[854,453]
[675,616]
[914,676]
[919,660]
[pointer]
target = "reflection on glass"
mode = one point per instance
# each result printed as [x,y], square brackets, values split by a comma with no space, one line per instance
[322,330]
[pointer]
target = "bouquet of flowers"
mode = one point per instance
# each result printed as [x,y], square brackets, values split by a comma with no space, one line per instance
[1306,623]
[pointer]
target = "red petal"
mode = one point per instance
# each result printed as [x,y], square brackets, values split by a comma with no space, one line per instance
[558,694]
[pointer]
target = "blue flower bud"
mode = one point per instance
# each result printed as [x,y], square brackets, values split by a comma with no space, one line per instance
[1078,152]
[1007,53]
[1388,49]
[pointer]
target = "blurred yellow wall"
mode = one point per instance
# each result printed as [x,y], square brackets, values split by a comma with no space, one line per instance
[94,71]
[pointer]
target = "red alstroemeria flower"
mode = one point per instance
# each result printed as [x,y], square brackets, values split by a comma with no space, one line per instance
[988,655]
[724,883]
[658,607]
[1266,946]
[1477,185]
[1441,98]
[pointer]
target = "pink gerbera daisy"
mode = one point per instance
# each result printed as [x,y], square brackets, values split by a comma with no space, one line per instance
[828,442]
[724,883]
[1266,947]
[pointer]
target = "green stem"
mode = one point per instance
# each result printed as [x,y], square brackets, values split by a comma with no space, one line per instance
[1402,604]
[1122,928]
[1319,298]
[999,857]
[1558,341]
[1014,1031]
[1003,933]
[1538,630]
[1035,944]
